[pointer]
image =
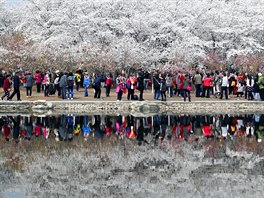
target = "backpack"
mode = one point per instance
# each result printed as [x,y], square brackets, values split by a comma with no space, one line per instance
[70,81]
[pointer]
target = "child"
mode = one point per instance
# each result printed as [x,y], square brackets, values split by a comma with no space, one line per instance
[240,89]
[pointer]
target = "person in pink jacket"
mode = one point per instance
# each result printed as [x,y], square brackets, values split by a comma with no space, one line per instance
[38,79]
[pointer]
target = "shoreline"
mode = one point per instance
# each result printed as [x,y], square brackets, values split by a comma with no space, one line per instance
[138,108]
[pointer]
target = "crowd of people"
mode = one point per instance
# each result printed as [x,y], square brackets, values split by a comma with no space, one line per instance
[142,129]
[223,85]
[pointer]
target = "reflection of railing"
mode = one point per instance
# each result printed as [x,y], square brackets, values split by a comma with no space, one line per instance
[134,107]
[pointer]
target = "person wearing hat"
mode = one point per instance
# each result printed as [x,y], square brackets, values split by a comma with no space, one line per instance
[16,82]
[261,86]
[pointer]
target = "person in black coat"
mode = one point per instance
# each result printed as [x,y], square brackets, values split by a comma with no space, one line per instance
[97,86]
[140,85]
[16,82]
[156,82]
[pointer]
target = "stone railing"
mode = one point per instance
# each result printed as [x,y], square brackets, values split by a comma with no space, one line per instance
[126,107]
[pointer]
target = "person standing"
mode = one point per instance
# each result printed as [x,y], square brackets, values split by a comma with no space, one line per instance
[169,82]
[37,77]
[16,91]
[97,85]
[232,84]
[250,85]
[206,86]
[46,83]
[224,86]
[156,85]
[70,83]
[130,85]
[140,85]
[108,83]
[29,84]
[78,79]
[6,87]
[217,84]
[163,88]
[197,80]
[86,83]
[261,86]
[120,85]
[57,81]
[63,85]
[187,87]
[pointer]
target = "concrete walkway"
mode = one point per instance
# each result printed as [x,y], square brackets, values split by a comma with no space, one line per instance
[79,96]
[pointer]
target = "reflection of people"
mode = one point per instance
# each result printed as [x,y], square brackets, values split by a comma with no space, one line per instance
[62,128]
[98,127]
[28,127]
[70,127]
[141,132]
[6,130]
[156,127]
[186,126]
[224,125]
[77,125]
[16,128]
[38,129]
[249,125]
[108,126]
[130,129]
[45,127]
[232,125]
[118,126]
[85,127]
[56,128]
[260,129]
[206,126]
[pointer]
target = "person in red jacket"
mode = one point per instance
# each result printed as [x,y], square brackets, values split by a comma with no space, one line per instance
[206,85]
[108,83]
[6,87]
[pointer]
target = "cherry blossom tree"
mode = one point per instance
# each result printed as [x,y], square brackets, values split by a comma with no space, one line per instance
[111,34]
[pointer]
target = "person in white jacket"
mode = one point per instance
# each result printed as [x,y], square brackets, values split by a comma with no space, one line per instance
[224,86]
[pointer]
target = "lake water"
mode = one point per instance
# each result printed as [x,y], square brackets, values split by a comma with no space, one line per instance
[123,155]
